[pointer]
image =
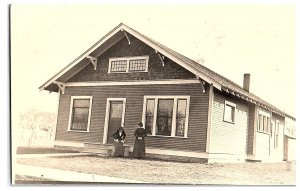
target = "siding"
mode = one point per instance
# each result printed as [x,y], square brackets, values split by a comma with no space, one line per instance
[265,150]
[197,129]
[227,137]
[171,70]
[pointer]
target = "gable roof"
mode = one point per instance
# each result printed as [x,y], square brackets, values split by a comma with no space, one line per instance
[218,81]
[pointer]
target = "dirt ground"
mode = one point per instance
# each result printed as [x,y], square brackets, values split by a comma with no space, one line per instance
[165,172]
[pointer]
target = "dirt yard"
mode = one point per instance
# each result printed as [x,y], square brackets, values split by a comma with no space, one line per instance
[163,172]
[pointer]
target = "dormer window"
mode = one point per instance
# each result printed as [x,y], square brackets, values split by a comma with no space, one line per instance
[128,64]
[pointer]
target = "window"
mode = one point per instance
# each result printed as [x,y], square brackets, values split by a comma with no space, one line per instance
[263,122]
[80,111]
[118,66]
[229,112]
[137,65]
[260,122]
[276,137]
[166,115]
[149,115]
[128,64]
[180,117]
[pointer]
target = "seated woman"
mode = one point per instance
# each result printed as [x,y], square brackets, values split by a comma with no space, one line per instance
[119,138]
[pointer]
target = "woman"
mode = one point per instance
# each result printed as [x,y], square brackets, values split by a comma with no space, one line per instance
[119,138]
[139,144]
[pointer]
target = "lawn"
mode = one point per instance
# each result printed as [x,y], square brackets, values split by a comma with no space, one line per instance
[166,172]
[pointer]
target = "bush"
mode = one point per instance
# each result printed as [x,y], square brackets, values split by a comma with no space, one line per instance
[36,128]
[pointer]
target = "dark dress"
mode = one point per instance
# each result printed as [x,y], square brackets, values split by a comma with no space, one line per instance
[139,144]
[119,149]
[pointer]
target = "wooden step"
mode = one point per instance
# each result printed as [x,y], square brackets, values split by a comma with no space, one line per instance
[106,152]
[98,145]
[98,149]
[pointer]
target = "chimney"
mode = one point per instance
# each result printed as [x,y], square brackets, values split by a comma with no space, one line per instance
[246,85]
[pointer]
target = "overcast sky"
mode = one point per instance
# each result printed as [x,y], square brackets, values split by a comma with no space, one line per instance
[231,39]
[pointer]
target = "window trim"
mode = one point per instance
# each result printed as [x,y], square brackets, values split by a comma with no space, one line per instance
[127,62]
[173,130]
[71,113]
[231,105]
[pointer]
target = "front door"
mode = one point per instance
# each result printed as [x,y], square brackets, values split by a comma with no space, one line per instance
[115,118]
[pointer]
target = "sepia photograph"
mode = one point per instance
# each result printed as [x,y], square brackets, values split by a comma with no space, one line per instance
[153,94]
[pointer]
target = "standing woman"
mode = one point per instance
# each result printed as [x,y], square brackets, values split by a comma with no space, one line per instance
[139,144]
[119,138]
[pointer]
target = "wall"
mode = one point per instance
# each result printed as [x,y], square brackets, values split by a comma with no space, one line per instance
[225,137]
[197,129]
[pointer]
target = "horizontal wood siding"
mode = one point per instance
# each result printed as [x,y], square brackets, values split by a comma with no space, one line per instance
[156,71]
[134,95]
[227,137]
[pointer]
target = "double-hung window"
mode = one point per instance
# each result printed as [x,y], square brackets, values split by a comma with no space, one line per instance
[128,64]
[263,122]
[229,112]
[166,115]
[80,113]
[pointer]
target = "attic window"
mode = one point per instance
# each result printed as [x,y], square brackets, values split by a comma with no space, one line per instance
[128,64]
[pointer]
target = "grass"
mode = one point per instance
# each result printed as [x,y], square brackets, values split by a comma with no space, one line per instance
[164,172]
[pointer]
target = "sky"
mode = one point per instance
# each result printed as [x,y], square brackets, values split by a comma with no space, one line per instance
[229,39]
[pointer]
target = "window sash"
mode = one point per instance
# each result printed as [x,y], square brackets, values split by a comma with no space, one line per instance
[165,116]
[180,117]
[149,115]
[118,66]
[137,65]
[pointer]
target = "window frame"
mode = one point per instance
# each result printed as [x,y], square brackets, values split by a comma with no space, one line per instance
[174,114]
[71,113]
[128,59]
[233,105]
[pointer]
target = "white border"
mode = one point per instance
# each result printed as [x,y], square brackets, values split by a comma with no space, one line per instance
[107,115]
[173,131]
[127,59]
[71,109]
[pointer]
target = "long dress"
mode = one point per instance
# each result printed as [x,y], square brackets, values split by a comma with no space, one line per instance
[119,149]
[139,144]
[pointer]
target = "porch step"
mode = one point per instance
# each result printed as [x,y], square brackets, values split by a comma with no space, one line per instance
[98,149]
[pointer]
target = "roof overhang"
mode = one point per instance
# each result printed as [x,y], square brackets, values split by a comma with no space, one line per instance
[104,44]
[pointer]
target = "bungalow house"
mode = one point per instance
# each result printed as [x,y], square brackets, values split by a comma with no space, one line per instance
[187,109]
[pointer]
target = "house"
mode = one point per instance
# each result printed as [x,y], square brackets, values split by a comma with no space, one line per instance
[187,109]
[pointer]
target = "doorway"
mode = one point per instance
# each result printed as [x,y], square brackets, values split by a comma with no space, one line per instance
[114,118]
